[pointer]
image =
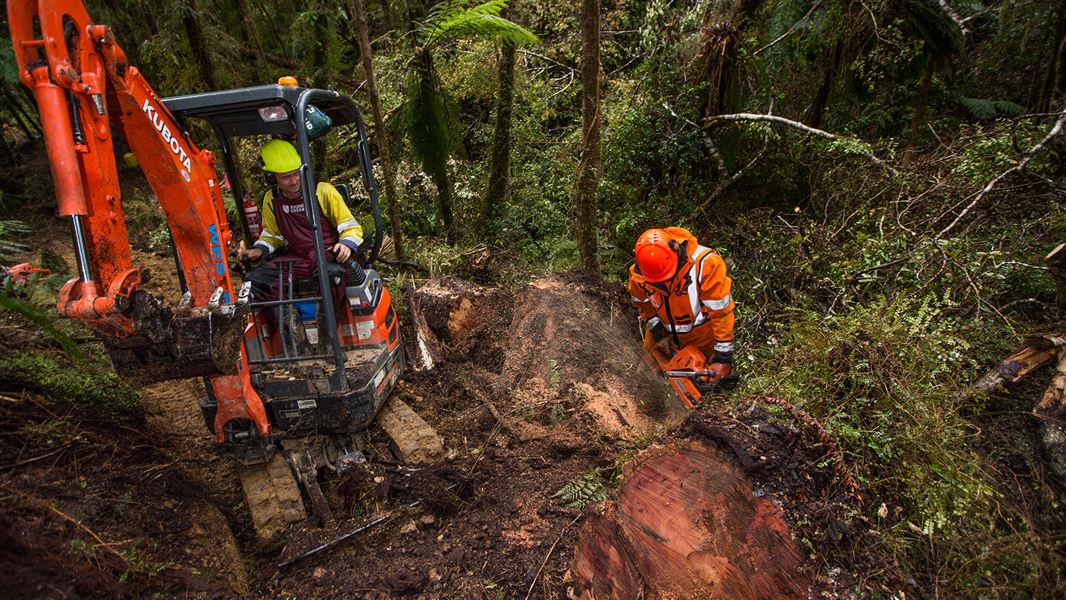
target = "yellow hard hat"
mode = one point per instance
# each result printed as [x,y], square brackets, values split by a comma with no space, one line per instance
[280,156]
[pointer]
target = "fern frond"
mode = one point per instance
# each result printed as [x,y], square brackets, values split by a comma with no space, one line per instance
[983,110]
[582,491]
[482,20]
[8,228]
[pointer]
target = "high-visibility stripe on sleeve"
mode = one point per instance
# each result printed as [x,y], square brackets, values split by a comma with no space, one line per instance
[652,322]
[270,241]
[346,225]
[723,347]
[638,300]
[719,304]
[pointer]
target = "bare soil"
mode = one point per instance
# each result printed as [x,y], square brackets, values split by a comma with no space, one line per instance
[538,389]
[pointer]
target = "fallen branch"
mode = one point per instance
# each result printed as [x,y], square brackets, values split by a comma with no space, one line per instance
[717,120]
[814,7]
[42,504]
[1055,131]
[1014,368]
[954,16]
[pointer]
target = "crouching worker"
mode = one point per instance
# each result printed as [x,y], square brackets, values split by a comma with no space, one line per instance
[686,310]
[285,224]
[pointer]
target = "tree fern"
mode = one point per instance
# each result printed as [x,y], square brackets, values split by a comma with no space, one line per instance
[983,110]
[428,121]
[940,34]
[451,20]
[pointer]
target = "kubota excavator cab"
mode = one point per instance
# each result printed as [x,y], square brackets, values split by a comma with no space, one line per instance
[325,354]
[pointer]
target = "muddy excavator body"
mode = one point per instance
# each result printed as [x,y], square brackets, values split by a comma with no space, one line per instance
[323,362]
[289,382]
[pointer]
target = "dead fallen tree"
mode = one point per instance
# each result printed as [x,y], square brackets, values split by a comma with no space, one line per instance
[1037,351]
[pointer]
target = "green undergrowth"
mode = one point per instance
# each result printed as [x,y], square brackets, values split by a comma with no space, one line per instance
[40,354]
[90,386]
[888,380]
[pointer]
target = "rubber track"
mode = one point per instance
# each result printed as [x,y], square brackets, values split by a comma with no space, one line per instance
[273,497]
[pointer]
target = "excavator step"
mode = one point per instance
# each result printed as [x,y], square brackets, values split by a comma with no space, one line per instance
[273,497]
[414,440]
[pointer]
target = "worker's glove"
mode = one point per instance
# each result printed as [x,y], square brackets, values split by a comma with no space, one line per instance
[721,367]
[657,330]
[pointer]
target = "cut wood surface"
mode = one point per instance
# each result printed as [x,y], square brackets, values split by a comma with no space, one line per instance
[415,440]
[684,524]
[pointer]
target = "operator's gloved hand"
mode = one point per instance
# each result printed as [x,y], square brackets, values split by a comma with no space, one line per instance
[721,367]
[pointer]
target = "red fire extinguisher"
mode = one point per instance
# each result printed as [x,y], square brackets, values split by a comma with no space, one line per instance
[252,216]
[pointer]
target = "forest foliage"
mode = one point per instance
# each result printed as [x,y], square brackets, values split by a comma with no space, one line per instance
[876,272]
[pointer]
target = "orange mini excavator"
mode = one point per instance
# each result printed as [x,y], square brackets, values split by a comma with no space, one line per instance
[284,394]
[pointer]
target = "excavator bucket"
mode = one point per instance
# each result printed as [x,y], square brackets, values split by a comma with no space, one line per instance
[181,343]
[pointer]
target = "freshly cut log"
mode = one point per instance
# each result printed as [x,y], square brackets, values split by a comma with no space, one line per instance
[414,440]
[684,524]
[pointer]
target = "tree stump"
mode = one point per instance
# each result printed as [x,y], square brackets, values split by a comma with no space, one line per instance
[465,318]
[684,524]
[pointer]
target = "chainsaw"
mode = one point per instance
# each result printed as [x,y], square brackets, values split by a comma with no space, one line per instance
[690,377]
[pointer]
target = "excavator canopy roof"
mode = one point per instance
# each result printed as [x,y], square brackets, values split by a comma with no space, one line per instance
[237,112]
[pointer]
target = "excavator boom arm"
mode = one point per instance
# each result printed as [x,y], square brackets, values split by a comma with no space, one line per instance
[84,87]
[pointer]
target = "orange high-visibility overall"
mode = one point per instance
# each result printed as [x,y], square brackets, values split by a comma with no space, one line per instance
[695,306]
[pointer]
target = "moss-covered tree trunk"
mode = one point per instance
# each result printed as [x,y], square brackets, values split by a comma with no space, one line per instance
[251,32]
[588,169]
[381,134]
[500,173]
[194,29]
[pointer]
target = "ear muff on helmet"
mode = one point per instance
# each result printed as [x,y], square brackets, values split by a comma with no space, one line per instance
[279,156]
[657,256]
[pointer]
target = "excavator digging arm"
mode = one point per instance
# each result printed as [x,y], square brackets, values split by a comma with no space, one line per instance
[84,86]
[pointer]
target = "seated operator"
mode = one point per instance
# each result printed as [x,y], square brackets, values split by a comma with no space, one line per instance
[284,223]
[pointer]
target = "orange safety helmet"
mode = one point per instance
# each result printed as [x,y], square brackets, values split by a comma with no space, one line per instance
[656,258]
